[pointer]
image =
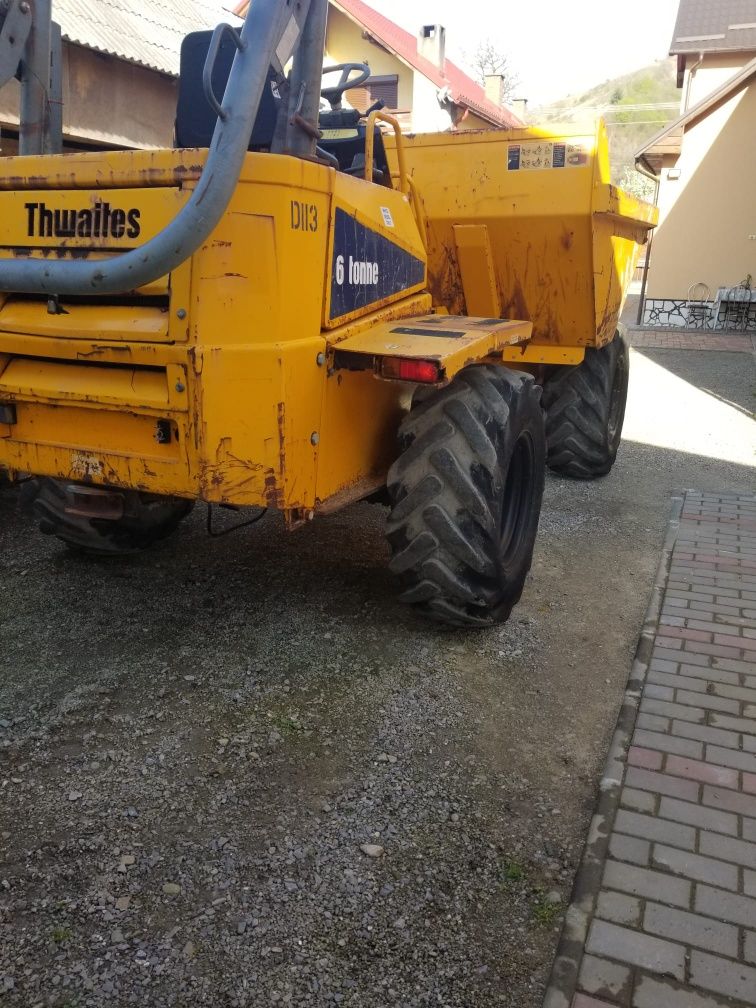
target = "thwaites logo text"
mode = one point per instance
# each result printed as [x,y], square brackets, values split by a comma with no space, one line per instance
[101,220]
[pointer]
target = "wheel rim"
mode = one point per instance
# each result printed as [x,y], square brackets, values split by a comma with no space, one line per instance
[615,402]
[517,501]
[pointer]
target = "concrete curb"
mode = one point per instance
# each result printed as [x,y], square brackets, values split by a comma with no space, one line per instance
[563,979]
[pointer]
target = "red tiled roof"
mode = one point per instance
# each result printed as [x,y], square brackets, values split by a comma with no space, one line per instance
[463,90]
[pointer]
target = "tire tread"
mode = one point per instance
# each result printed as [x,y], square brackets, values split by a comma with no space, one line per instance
[577,401]
[443,527]
[148,520]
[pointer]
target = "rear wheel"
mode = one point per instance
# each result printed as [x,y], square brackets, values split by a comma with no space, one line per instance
[585,409]
[145,519]
[466,496]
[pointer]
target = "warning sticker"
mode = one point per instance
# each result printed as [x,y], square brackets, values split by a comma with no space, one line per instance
[388,220]
[577,155]
[539,154]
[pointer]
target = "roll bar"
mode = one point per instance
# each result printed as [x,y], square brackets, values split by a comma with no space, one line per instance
[31,51]
[268,36]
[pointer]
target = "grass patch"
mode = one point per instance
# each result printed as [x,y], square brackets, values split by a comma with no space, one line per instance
[511,872]
[544,912]
[286,724]
[61,934]
[513,875]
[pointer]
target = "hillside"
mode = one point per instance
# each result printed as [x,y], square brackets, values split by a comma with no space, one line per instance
[635,107]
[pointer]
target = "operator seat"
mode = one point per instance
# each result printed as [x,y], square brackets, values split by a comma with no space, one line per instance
[195,118]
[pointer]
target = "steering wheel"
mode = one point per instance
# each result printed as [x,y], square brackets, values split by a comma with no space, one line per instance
[333,95]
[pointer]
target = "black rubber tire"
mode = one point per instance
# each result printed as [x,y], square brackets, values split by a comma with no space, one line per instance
[147,519]
[585,408]
[466,496]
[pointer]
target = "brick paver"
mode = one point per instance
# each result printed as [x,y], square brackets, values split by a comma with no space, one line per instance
[691,339]
[674,925]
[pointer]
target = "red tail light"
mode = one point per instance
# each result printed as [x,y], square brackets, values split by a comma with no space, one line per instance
[409,369]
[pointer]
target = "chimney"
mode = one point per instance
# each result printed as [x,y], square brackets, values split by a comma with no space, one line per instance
[494,88]
[520,108]
[431,43]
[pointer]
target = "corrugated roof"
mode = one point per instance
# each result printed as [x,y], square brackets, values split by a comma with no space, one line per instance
[146,32]
[670,139]
[463,90]
[714,26]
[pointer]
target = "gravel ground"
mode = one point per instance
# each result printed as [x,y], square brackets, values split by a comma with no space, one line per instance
[237,773]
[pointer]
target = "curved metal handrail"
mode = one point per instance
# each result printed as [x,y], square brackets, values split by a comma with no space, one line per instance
[375,116]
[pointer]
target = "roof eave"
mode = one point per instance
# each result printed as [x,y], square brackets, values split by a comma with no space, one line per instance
[728,90]
[644,166]
[504,121]
[709,50]
[119,56]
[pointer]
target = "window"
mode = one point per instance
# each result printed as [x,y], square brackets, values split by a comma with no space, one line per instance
[384,89]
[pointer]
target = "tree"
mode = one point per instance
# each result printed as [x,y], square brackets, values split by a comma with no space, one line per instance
[637,185]
[486,60]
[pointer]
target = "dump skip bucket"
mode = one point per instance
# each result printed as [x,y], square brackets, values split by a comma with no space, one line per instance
[524,224]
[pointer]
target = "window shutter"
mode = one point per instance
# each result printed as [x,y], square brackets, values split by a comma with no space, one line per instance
[383,89]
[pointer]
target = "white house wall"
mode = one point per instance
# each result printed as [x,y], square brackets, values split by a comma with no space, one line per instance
[427,115]
[708,213]
[701,81]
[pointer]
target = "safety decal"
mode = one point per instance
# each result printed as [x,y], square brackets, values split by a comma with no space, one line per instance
[367,267]
[544,154]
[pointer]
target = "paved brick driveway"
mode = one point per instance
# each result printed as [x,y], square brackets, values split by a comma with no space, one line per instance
[692,339]
[674,924]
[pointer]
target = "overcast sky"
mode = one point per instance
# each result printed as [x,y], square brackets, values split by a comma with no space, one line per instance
[556,48]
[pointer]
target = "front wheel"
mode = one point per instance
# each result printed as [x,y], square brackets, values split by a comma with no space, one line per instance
[145,519]
[466,496]
[585,409]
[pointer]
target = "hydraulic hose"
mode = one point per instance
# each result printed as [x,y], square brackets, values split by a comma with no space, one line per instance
[268,36]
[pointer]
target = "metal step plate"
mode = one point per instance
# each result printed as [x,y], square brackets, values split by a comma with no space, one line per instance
[449,341]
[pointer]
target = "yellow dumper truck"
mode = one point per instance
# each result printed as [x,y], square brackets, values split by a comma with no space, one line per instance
[297,309]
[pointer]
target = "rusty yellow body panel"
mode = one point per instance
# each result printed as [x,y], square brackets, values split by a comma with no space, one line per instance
[228,353]
[360,415]
[475,258]
[106,446]
[103,170]
[526,221]
[541,353]
[140,323]
[58,381]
